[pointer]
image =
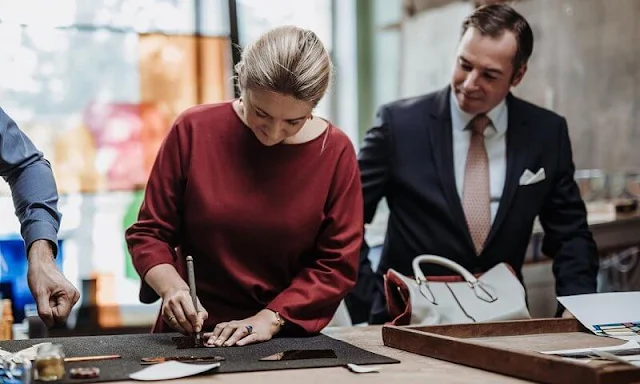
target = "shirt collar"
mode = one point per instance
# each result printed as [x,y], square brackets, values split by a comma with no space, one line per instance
[497,115]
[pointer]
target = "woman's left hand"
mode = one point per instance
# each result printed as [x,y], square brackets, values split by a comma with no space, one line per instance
[260,327]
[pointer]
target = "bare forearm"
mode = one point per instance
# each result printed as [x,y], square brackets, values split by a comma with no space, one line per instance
[40,251]
[164,278]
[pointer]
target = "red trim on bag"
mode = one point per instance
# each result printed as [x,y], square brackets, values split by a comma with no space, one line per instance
[398,304]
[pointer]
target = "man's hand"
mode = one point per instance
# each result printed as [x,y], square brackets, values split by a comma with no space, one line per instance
[54,294]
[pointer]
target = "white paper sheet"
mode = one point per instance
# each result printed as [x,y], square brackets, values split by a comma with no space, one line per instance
[355,368]
[633,360]
[613,349]
[28,353]
[611,353]
[613,314]
[171,370]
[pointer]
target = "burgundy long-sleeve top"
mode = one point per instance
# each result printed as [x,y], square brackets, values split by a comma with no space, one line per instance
[268,227]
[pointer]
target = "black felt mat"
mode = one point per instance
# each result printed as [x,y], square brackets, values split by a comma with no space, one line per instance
[238,359]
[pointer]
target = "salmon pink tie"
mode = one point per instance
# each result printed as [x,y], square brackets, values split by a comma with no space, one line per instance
[476,194]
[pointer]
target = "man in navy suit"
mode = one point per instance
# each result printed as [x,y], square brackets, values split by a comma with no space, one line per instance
[466,170]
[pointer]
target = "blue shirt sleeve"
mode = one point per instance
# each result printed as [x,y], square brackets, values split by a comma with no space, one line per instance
[33,188]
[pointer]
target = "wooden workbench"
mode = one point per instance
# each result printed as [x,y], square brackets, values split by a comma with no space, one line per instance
[610,235]
[413,368]
[614,235]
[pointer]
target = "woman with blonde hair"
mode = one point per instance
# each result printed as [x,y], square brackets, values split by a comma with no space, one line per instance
[265,197]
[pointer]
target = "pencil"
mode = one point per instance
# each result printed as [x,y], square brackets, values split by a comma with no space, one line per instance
[192,291]
[90,358]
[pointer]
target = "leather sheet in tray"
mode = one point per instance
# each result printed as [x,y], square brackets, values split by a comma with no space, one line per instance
[238,359]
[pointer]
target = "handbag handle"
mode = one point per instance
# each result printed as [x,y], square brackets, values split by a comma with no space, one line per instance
[481,291]
[442,261]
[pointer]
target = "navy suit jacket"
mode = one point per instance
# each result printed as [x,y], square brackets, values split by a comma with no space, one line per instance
[407,157]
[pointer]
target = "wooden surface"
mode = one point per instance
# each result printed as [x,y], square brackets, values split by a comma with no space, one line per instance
[513,348]
[413,368]
[619,234]
[610,236]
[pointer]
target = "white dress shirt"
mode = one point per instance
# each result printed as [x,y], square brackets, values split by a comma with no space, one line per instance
[495,142]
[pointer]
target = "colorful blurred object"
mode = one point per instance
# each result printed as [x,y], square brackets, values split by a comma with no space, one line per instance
[129,218]
[126,141]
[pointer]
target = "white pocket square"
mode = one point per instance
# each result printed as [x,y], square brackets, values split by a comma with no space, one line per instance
[529,177]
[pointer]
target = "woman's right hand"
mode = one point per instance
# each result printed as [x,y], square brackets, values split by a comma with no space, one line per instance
[179,313]
[177,304]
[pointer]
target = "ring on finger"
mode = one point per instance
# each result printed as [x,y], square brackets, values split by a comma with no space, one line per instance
[249,329]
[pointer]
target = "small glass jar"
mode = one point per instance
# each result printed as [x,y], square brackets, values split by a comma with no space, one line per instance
[49,363]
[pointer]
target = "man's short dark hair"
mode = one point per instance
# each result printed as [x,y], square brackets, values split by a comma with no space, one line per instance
[494,19]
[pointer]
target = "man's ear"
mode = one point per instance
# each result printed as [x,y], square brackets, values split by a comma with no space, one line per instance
[519,75]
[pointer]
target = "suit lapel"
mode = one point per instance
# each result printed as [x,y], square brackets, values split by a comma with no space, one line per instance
[442,150]
[517,154]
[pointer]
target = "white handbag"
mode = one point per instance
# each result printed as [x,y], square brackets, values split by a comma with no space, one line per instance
[494,296]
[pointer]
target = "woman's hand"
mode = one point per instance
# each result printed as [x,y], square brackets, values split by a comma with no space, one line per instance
[179,313]
[260,327]
[177,305]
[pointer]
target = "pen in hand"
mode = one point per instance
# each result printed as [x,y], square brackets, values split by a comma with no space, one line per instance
[194,298]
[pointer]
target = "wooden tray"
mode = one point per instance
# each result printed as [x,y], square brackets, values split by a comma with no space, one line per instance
[511,348]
